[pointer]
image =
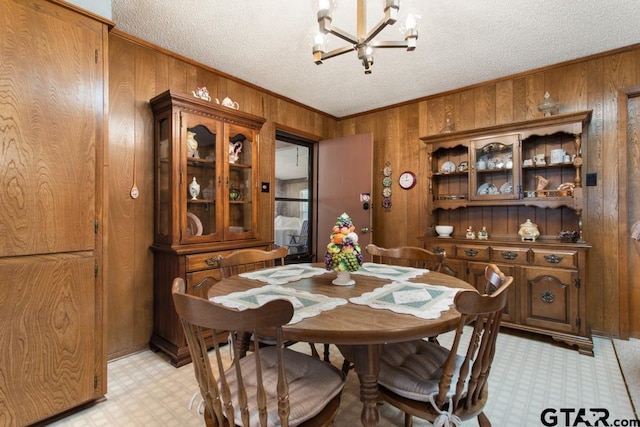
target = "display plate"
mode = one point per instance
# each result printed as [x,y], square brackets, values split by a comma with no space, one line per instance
[487,189]
[194,225]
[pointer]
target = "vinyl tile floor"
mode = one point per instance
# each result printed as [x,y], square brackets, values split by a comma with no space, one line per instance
[529,374]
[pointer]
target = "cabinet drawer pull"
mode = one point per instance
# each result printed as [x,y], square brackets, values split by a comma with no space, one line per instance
[438,250]
[548,297]
[509,255]
[470,252]
[212,262]
[554,259]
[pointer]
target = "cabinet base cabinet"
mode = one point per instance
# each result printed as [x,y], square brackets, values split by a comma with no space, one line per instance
[193,266]
[549,292]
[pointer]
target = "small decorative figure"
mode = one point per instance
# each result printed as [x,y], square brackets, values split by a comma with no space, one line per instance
[192,145]
[542,184]
[470,233]
[483,235]
[235,147]
[202,93]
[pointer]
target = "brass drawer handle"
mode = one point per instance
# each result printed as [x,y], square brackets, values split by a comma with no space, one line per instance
[554,259]
[509,255]
[212,262]
[438,250]
[470,252]
[548,297]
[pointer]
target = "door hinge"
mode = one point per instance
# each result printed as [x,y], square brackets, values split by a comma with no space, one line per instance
[95,270]
[95,227]
[96,56]
[577,282]
[578,322]
[95,381]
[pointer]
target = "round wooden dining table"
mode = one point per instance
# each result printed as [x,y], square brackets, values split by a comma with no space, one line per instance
[359,331]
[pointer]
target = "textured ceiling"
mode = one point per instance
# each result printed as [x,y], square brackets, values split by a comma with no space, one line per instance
[461,42]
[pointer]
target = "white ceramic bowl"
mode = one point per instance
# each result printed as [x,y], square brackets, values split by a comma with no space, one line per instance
[444,230]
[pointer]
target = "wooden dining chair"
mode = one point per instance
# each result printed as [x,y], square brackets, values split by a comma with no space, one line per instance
[408,256]
[447,385]
[246,260]
[271,386]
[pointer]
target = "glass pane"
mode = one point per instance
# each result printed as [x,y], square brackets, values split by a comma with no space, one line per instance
[164,193]
[200,180]
[240,178]
[292,197]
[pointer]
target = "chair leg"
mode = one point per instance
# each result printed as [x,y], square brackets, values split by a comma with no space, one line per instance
[326,353]
[408,420]
[314,352]
[346,366]
[483,421]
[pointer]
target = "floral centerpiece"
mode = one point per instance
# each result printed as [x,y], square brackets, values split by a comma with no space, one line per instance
[343,251]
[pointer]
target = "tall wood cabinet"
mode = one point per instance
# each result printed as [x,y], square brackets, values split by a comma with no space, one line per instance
[206,200]
[52,143]
[498,178]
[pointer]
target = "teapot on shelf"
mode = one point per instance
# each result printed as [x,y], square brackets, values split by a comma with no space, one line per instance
[227,102]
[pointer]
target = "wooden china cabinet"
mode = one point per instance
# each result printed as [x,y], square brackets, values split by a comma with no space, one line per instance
[206,200]
[499,177]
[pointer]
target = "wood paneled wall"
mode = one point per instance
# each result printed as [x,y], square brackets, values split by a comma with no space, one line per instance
[138,71]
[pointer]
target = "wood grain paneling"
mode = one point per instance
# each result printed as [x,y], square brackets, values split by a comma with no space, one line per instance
[591,83]
[138,72]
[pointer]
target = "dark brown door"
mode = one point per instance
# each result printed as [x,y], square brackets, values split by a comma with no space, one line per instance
[344,174]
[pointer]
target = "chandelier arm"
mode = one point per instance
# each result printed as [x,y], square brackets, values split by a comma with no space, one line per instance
[342,34]
[390,44]
[338,52]
[376,30]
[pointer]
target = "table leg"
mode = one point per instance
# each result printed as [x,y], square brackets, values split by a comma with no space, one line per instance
[366,359]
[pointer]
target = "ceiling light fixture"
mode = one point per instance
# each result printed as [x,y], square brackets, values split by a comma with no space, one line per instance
[363,43]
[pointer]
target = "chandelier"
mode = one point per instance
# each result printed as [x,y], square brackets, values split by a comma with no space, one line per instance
[363,43]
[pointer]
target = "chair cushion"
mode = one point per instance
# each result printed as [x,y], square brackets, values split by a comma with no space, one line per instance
[413,369]
[312,384]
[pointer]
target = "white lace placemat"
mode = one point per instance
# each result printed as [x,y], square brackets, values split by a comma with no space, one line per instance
[418,299]
[305,304]
[284,274]
[391,272]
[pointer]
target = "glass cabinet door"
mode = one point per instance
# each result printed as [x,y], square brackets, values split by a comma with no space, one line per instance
[201,179]
[239,185]
[494,165]
[163,178]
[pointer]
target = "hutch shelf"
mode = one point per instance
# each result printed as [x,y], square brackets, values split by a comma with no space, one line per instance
[206,200]
[497,178]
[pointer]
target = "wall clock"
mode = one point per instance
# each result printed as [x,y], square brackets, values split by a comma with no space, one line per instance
[407,180]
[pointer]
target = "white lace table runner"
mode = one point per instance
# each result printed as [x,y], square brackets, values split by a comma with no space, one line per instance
[392,272]
[284,274]
[418,299]
[305,304]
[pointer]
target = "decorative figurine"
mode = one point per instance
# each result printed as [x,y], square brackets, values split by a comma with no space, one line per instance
[528,231]
[192,145]
[343,251]
[483,235]
[542,184]
[202,93]
[470,233]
